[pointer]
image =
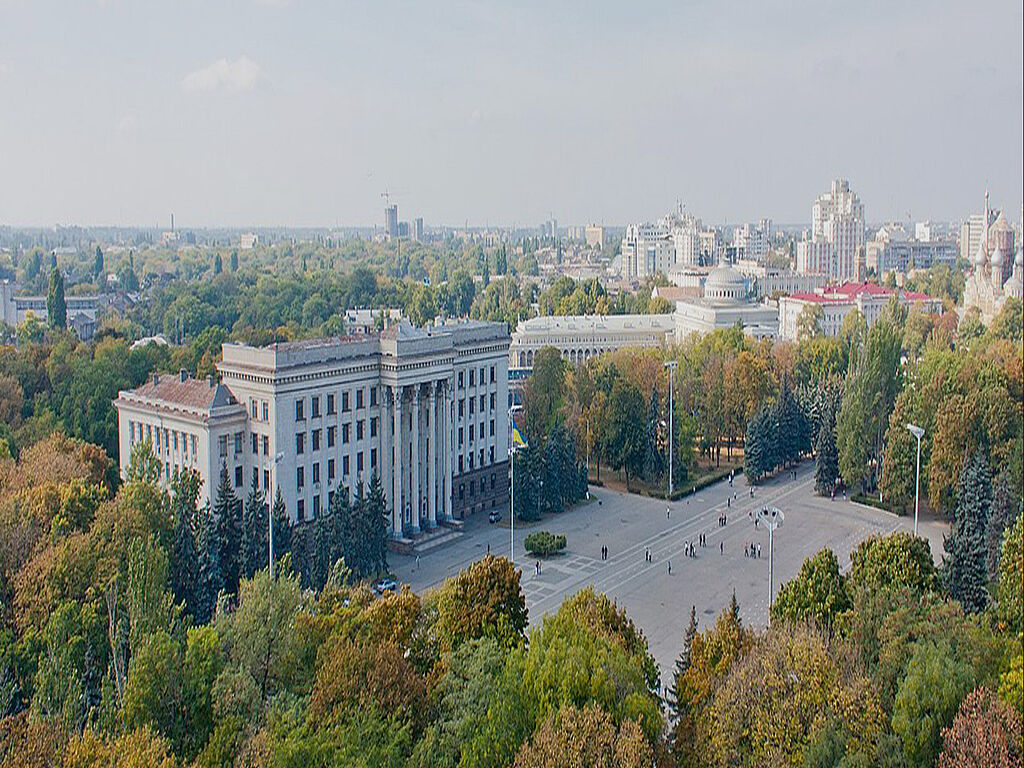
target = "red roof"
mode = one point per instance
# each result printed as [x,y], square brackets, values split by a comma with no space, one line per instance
[838,294]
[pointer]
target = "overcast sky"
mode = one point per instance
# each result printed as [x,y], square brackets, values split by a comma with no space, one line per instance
[237,112]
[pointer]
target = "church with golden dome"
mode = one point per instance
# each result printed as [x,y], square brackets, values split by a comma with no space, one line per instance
[996,274]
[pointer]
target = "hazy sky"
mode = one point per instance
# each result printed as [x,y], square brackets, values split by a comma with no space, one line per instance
[236,112]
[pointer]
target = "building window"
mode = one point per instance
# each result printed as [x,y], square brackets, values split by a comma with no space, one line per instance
[492,375]
[300,510]
[470,461]
[462,491]
[238,442]
[255,443]
[359,429]
[316,471]
[238,477]
[481,457]
[300,410]
[264,411]
[373,396]
[330,404]
[359,462]
[345,433]
[492,454]
[175,441]
[373,426]
[492,427]
[315,406]
[193,445]
[472,382]
[373,457]
[359,398]
[222,445]
[470,434]
[492,401]
[345,466]
[300,442]
[344,402]
[460,379]
[483,403]
[253,408]
[266,480]
[315,439]
[330,470]
[266,445]
[462,407]
[332,435]
[460,466]
[300,477]
[460,437]
[472,403]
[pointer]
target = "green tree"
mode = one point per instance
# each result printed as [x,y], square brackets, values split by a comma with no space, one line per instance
[682,664]
[485,600]
[927,700]
[56,305]
[227,512]
[211,575]
[964,565]
[817,594]
[218,265]
[185,555]
[543,395]
[97,267]
[826,458]
[654,460]
[626,434]
[1011,578]
[899,560]
[255,531]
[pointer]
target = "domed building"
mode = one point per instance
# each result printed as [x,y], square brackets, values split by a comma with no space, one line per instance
[995,274]
[725,303]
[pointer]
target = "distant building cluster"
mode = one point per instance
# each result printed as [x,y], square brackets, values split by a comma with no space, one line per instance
[678,239]
[836,302]
[996,274]
[82,310]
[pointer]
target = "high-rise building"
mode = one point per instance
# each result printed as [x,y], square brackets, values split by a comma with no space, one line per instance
[417,229]
[391,220]
[647,250]
[836,245]
[752,241]
[594,235]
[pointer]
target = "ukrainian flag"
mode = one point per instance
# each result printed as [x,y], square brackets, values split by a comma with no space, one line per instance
[517,438]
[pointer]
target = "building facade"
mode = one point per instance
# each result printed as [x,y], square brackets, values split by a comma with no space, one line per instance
[892,249]
[836,302]
[837,235]
[580,337]
[82,311]
[425,409]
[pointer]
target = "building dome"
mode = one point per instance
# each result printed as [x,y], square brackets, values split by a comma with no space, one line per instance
[998,257]
[981,257]
[724,284]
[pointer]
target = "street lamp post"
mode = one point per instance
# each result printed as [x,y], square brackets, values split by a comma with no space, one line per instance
[772,517]
[671,365]
[917,432]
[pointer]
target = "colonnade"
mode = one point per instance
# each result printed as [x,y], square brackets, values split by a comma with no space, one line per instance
[417,450]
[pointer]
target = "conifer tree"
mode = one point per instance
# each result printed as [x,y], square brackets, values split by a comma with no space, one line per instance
[734,609]
[755,447]
[826,461]
[227,514]
[682,663]
[185,563]
[282,528]
[376,521]
[211,577]
[653,459]
[965,571]
[255,532]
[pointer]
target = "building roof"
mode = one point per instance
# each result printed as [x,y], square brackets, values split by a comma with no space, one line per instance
[596,323]
[847,292]
[202,394]
[675,293]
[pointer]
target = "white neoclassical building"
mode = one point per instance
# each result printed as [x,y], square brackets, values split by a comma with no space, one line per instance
[424,408]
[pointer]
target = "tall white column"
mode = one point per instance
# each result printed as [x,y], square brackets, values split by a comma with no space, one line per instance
[385,446]
[414,491]
[432,458]
[449,437]
[397,514]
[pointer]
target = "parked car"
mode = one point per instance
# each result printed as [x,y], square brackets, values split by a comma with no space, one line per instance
[385,585]
[494,516]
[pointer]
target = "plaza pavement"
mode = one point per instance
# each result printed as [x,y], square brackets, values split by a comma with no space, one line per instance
[659,602]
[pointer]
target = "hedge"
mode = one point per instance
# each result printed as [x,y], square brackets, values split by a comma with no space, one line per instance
[543,543]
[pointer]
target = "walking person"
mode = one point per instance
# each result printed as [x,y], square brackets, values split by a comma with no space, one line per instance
[417,562]
[758,551]
[721,547]
[669,567]
[668,513]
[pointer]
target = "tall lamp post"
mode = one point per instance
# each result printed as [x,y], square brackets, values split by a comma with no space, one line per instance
[772,517]
[512,483]
[671,365]
[917,432]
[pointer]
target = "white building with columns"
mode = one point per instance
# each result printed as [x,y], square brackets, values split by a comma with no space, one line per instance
[423,408]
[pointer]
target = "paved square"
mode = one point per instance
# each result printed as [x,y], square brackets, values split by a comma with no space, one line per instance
[659,602]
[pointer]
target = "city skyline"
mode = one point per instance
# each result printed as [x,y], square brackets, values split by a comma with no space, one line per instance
[281,113]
